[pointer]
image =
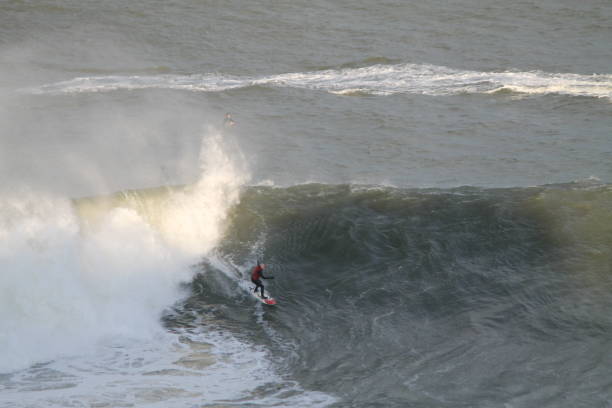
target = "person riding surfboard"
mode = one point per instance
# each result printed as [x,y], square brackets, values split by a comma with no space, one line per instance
[256,277]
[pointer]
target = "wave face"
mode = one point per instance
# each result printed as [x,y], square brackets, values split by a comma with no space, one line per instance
[392,297]
[379,79]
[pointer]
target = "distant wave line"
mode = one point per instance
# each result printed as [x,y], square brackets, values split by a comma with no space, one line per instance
[380,79]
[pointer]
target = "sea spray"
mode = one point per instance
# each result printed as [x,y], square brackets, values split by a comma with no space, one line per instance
[61,292]
[194,217]
[70,279]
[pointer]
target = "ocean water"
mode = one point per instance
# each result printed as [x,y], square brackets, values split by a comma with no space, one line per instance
[429,183]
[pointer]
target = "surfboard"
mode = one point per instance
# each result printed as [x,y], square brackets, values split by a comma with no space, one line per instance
[257,295]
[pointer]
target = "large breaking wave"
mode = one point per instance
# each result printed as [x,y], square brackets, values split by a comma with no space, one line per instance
[407,289]
[87,284]
[76,272]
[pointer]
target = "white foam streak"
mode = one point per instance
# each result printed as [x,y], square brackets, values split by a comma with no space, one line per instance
[374,80]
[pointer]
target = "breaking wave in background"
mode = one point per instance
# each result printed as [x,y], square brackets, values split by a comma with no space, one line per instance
[380,79]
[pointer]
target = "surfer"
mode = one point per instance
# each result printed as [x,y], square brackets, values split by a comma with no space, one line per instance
[257,276]
[228,121]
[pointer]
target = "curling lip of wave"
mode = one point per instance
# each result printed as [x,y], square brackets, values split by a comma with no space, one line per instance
[380,79]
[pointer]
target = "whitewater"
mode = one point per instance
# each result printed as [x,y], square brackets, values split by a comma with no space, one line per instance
[370,80]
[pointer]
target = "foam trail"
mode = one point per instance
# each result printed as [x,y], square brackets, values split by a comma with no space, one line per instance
[380,79]
[62,290]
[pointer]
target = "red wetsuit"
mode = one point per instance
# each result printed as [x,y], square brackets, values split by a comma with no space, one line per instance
[256,276]
[257,273]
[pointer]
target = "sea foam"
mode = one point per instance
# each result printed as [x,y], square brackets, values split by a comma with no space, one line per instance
[67,283]
[379,79]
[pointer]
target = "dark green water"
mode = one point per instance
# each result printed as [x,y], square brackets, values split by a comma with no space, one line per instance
[393,298]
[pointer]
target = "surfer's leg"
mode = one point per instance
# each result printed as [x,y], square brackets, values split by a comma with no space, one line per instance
[258,284]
